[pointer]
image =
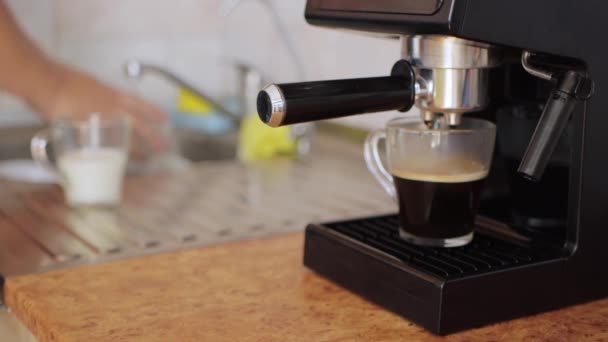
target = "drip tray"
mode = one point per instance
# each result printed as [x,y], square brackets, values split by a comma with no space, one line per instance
[443,289]
[483,254]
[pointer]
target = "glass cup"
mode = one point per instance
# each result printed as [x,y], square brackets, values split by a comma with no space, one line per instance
[435,175]
[89,156]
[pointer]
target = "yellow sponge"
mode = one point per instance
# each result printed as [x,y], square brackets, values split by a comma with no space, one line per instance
[258,141]
[188,102]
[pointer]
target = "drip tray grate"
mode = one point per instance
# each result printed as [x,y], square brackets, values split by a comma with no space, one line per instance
[483,254]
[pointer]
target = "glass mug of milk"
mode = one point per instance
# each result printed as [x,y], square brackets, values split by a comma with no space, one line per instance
[89,156]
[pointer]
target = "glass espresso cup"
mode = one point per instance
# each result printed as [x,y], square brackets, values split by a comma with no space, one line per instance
[89,157]
[435,175]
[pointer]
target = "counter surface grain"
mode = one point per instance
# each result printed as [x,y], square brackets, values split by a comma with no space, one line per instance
[253,290]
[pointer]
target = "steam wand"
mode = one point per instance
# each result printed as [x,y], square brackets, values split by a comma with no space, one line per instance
[571,87]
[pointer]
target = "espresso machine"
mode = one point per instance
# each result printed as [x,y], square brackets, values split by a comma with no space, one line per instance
[536,69]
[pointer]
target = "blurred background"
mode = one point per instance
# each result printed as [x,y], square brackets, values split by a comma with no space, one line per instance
[198,40]
[212,196]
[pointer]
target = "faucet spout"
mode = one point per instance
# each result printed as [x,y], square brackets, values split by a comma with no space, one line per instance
[134,69]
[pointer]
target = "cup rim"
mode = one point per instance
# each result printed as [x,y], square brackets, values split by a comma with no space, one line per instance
[398,123]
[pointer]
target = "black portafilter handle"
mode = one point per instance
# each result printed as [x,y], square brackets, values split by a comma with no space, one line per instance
[571,88]
[292,103]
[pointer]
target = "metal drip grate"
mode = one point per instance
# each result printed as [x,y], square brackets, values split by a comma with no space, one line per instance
[483,254]
[212,202]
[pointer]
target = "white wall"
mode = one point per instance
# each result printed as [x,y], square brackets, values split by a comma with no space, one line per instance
[190,37]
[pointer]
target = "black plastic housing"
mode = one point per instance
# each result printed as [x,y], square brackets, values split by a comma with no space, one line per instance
[562,29]
[494,278]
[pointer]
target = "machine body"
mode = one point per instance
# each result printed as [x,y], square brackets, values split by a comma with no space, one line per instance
[530,67]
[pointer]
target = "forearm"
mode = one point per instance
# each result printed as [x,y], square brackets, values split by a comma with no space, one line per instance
[25,70]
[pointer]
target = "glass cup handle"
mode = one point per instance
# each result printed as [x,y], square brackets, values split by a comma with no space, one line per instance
[38,147]
[374,162]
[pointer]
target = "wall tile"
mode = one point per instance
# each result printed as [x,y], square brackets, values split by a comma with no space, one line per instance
[98,20]
[248,35]
[203,64]
[37,19]
[106,61]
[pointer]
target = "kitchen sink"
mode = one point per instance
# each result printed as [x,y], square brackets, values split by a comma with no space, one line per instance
[194,146]
[197,147]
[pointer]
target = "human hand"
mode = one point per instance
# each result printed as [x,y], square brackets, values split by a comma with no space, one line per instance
[67,92]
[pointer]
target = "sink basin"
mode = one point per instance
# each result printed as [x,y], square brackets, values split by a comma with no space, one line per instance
[198,147]
[15,144]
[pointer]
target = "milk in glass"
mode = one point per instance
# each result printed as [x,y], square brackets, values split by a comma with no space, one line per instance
[93,176]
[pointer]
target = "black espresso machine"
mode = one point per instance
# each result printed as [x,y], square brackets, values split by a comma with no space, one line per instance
[538,70]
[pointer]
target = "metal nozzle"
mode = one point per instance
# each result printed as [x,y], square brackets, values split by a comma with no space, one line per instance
[271,106]
[454,119]
[428,118]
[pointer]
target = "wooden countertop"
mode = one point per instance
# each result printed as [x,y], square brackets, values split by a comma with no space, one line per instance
[255,290]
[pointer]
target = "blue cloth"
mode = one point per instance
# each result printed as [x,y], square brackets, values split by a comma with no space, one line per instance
[211,123]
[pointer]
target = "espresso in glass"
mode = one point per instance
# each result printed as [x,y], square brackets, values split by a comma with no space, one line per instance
[439,204]
[435,175]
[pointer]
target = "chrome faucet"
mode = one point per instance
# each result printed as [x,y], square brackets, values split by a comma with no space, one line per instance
[135,69]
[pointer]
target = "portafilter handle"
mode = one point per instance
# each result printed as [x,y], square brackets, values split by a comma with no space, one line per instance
[292,103]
